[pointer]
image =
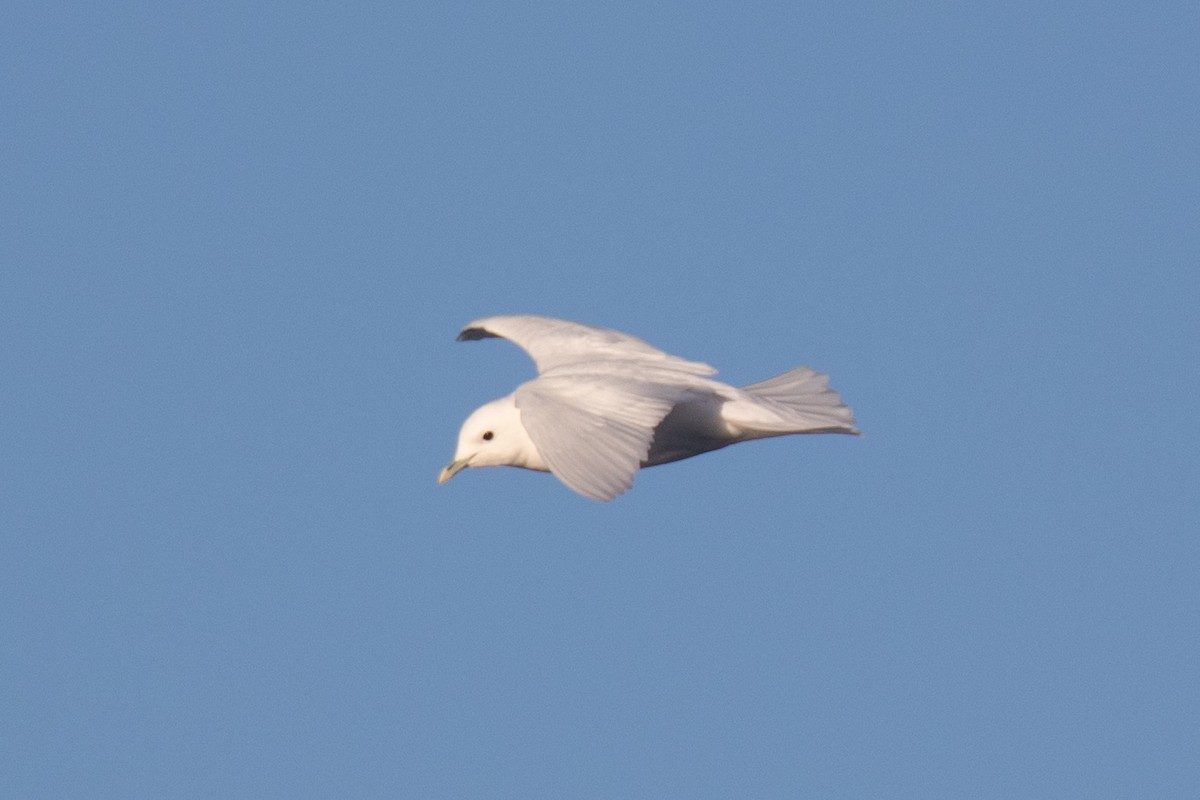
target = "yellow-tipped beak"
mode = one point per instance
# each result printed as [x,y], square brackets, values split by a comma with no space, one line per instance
[452,469]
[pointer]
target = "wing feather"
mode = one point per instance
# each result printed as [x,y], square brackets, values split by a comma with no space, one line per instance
[554,343]
[595,430]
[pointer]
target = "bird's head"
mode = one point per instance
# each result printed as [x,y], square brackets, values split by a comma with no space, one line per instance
[493,436]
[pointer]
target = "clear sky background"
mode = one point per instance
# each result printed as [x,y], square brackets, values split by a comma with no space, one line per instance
[237,242]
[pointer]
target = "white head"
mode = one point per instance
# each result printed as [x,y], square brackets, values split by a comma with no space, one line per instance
[493,436]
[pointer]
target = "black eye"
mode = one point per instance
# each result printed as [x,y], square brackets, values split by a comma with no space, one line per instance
[487,436]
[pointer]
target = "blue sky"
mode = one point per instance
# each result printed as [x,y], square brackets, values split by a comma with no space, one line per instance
[238,241]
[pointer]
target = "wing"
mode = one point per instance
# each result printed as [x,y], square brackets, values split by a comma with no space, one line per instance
[595,430]
[553,343]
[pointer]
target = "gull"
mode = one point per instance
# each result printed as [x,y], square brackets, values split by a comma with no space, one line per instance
[605,404]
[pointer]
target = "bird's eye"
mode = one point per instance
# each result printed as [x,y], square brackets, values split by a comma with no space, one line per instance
[487,436]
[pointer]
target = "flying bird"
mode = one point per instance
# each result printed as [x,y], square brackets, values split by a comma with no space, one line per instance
[605,404]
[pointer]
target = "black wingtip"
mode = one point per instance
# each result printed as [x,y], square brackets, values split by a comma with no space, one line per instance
[474,334]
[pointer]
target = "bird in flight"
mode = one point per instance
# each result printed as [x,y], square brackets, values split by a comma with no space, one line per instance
[605,404]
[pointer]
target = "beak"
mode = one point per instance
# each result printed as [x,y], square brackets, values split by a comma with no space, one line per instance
[452,469]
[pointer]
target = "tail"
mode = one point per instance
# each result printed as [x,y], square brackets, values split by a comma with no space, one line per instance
[798,401]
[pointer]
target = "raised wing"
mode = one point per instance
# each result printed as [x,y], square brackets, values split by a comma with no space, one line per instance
[553,343]
[595,430]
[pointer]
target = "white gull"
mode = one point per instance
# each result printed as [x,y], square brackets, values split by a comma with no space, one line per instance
[605,404]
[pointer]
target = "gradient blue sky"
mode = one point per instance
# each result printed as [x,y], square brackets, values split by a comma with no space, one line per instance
[238,241]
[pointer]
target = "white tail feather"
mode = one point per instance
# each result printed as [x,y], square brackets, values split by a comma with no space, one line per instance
[798,401]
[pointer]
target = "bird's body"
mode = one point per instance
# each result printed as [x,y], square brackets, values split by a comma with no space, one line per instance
[606,404]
